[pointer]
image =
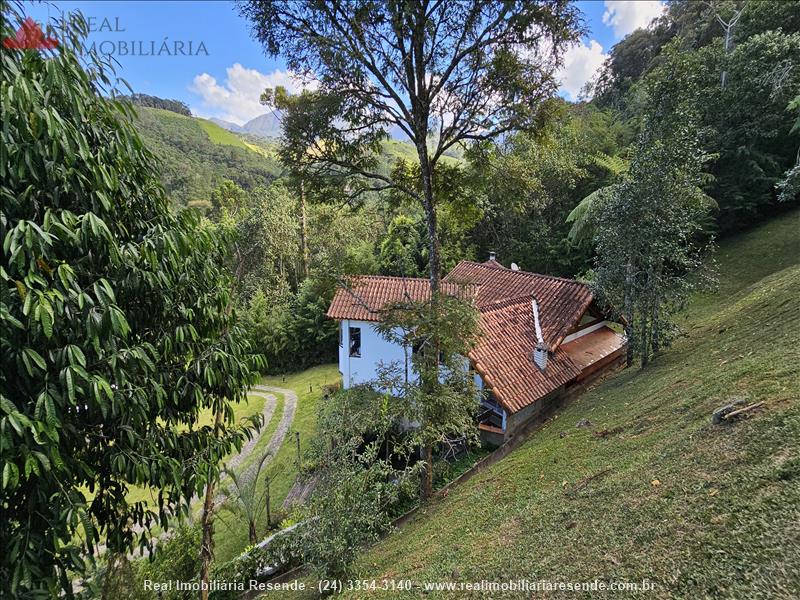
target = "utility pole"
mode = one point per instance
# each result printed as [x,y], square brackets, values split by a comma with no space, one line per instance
[728,26]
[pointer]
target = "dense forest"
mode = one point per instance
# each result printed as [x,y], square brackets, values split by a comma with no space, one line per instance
[156,266]
[516,196]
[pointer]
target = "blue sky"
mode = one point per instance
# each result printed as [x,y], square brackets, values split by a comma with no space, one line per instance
[225,71]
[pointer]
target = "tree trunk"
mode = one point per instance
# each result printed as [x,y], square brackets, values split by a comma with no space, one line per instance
[253,534]
[724,76]
[655,333]
[429,205]
[426,480]
[207,526]
[435,271]
[207,544]
[643,334]
[627,310]
[304,253]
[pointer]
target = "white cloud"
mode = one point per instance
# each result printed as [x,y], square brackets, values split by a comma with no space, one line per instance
[625,16]
[580,65]
[237,100]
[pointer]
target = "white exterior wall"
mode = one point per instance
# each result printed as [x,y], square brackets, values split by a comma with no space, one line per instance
[375,351]
[584,331]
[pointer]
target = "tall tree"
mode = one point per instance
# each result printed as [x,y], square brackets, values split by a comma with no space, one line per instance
[437,392]
[442,73]
[648,226]
[114,328]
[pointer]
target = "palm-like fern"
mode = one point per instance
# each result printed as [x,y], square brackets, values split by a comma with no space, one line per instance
[243,497]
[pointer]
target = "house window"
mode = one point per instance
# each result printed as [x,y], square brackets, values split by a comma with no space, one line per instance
[341,335]
[355,342]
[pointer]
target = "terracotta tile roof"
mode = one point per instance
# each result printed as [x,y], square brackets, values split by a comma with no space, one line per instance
[504,353]
[364,296]
[561,301]
[504,357]
[492,264]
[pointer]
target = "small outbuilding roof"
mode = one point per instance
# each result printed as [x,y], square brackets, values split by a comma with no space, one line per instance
[364,297]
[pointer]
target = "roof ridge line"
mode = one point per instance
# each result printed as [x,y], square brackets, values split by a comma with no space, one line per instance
[387,277]
[528,273]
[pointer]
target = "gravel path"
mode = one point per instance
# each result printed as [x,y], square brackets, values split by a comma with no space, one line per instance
[289,408]
[270,402]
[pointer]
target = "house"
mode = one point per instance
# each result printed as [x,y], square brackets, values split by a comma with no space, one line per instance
[540,336]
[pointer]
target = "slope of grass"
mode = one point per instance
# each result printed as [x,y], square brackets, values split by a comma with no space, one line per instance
[652,490]
[218,135]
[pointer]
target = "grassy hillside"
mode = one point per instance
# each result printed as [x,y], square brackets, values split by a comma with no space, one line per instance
[652,490]
[218,135]
[196,155]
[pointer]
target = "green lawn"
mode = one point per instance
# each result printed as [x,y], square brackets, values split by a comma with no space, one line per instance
[218,135]
[231,539]
[652,490]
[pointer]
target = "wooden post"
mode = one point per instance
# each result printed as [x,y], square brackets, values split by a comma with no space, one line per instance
[207,525]
[269,518]
[297,441]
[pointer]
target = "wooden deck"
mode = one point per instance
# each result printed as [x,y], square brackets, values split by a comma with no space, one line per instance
[594,350]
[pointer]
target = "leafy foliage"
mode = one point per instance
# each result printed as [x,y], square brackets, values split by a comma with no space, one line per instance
[451,73]
[192,164]
[757,57]
[402,251]
[294,332]
[243,497]
[120,577]
[356,489]
[148,101]
[528,186]
[436,393]
[116,325]
[649,225]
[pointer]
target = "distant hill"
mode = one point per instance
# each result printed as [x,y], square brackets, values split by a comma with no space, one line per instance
[149,101]
[267,125]
[227,125]
[196,155]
